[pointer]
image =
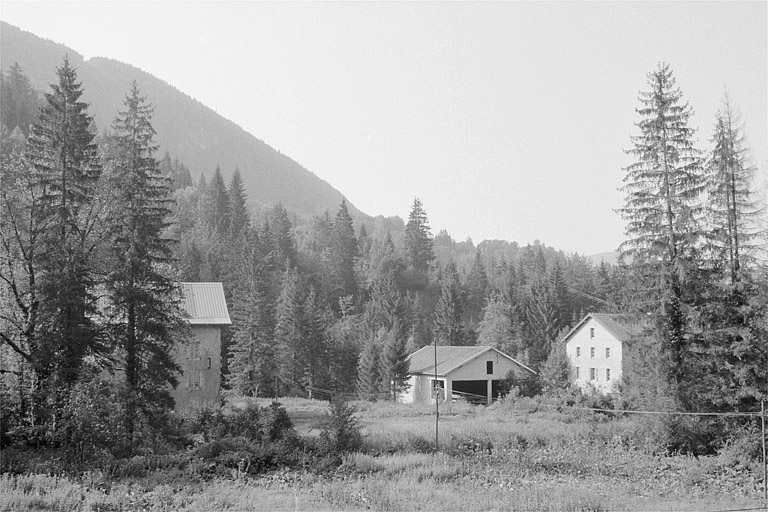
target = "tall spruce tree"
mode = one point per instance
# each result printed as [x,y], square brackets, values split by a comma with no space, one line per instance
[288,331]
[449,327]
[239,217]
[662,210]
[18,100]
[220,204]
[252,356]
[343,255]
[733,207]
[145,317]
[66,168]
[418,243]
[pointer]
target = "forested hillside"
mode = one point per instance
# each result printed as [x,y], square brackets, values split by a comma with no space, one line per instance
[97,227]
[187,129]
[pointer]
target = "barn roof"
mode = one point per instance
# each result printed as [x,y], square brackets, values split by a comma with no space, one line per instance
[205,303]
[620,327]
[449,358]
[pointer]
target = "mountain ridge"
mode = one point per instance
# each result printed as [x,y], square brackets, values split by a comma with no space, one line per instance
[207,139]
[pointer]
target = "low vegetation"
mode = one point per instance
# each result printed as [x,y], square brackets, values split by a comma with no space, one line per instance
[519,454]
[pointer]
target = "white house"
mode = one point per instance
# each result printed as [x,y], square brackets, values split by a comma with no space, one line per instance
[595,349]
[473,371]
[200,358]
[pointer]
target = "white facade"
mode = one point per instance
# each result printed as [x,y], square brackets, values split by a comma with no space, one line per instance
[595,352]
[461,371]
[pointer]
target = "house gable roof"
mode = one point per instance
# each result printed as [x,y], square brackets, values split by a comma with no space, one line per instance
[205,303]
[616,325]
[450,358]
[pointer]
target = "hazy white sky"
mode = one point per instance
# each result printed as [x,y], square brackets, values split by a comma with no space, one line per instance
[508,120]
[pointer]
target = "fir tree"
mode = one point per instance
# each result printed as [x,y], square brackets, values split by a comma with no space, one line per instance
[66,169]
[418,243]
[18,100]
[394,363]
[343,255]
[662,209]
[252,357]
[240,219]
[732,206]
[449,327]
[288,331]
[144,299]
[220,204]
[368,378]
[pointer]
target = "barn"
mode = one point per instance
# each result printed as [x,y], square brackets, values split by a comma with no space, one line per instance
[472,372]
[200,358]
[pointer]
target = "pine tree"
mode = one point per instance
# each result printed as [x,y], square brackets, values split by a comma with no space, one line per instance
[313,349]
[419,246]
[145,316]
[449,327]
[18,100]
[240,219]
[477,286]
[732,206]
[662,210]
[368,378]
[664,186]
[497,328]
[288,334]
[343,256]
[220,204]
[66,169]
[286,254]
[394,363]
[252,357]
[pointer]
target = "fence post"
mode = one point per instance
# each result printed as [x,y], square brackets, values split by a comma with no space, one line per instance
[765,463]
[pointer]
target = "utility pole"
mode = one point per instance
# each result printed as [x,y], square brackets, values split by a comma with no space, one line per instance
[435,392]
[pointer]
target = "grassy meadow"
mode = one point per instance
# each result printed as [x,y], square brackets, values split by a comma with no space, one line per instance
[521,455]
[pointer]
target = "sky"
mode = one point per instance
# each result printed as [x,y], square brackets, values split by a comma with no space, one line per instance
[507,120]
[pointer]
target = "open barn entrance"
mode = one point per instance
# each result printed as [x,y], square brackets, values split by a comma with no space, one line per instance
[474,391]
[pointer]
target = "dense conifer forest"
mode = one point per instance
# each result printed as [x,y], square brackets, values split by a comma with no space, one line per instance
[97,229]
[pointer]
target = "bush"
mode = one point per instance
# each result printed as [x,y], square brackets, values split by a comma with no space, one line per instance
[340,430]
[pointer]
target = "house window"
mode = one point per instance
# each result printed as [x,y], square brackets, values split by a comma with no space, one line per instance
[592,374]
[607,374]
[489,367]
[607,353]
[591,332]
[577,373]
[209,363]
[578,351]
[195,379]
[591,351]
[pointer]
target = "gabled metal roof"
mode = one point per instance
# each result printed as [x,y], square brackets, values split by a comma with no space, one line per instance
[450,358]
[205,303]
[617,325]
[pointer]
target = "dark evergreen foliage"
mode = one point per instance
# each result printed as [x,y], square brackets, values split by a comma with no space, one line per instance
[144,317]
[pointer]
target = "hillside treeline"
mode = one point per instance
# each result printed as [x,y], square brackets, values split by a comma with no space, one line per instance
[323,306]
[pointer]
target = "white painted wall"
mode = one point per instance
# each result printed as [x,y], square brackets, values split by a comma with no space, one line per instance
[598,340]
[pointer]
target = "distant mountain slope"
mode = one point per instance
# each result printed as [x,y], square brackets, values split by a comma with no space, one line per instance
[186,128]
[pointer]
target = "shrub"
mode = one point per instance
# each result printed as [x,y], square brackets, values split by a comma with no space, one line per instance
[340,430]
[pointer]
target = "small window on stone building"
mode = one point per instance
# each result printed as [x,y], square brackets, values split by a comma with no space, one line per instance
[209,363]
[578,351]
[607,374]
[195,379]
[489,367]
[577,373]
[591,332]
[607,352]
[591,351]
[592,374]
